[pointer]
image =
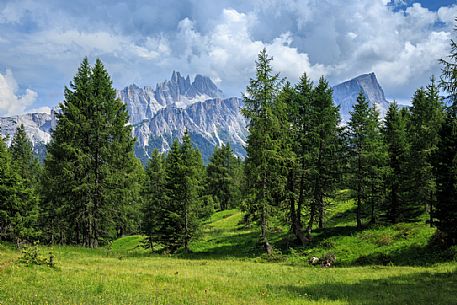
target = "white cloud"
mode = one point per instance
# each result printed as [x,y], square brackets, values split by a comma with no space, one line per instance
[413,59]
[10,102]
[447,14]
[55,42]
[43,109]
[229,51]
[339,39]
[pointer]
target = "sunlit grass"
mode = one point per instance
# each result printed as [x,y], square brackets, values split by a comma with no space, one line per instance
[227,267]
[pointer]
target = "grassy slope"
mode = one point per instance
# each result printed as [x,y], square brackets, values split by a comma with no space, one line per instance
[225,268]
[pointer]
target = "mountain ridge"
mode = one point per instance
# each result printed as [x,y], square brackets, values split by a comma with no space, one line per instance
[161,113]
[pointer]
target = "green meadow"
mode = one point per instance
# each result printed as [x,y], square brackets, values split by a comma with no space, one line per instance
[378,265]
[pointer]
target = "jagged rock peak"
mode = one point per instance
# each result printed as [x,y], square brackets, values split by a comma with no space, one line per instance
[345,94]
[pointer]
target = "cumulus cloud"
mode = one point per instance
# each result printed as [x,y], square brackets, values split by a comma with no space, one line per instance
[228,52]
[10,102]
[398,40]
[43,109]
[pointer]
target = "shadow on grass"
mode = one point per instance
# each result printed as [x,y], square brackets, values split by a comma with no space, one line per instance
[242,245]
[419,288]
[412,256]
[347,215]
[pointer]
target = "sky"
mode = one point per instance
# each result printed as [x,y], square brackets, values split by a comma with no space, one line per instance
[43,42]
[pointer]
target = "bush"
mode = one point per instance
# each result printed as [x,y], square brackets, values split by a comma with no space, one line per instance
[31,256]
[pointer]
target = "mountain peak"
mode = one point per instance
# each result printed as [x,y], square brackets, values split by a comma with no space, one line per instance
[345,94]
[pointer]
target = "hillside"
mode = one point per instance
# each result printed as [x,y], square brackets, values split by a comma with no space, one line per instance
[404,244]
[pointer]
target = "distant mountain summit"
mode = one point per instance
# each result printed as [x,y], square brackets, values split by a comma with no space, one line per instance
[161,113]
[179,92]
[345,94]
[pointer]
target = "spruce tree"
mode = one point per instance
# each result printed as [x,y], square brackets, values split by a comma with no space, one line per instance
[222,177]
[18,202]
[377,158]
[179,211]
[91,174]
[262,144]
[154,198]
[24,161]
[299,109]
[358,126]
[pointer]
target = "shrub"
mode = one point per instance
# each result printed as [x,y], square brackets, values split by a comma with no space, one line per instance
[31,256]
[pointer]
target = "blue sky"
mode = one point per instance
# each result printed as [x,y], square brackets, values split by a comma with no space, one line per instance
[43,42]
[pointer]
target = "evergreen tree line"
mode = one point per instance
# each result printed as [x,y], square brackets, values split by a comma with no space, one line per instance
[299,155]
[91,189]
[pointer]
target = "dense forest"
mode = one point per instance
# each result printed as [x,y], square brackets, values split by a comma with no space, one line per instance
[91,189]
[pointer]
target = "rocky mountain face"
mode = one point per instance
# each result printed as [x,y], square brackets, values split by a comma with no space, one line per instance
[209,123]
[37,125]
[345,94]
[144,103]
[162,113]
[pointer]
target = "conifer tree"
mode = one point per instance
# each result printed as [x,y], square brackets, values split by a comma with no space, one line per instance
[262,144]
[18,202]
[298,101]
[358,126]
[367,160]
[446,157]
[395,134]
[154,198]
[377,157]
[180,210]
[26,164]
[223,177]
[427,114]
[324,147]
[91,174]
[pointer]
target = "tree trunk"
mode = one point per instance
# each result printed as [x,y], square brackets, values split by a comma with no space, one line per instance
[312,215]
[321,212]
[359,191]
[359,203]
[291,191]
[186,229]
[296,225]
[263,219]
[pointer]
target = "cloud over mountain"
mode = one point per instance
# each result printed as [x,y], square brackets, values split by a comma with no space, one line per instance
[44,41]
[10,101]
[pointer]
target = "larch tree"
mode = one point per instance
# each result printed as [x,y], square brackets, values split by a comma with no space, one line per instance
[445,167]
[262,144]
[427,115]
[395,135]
[324,147]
